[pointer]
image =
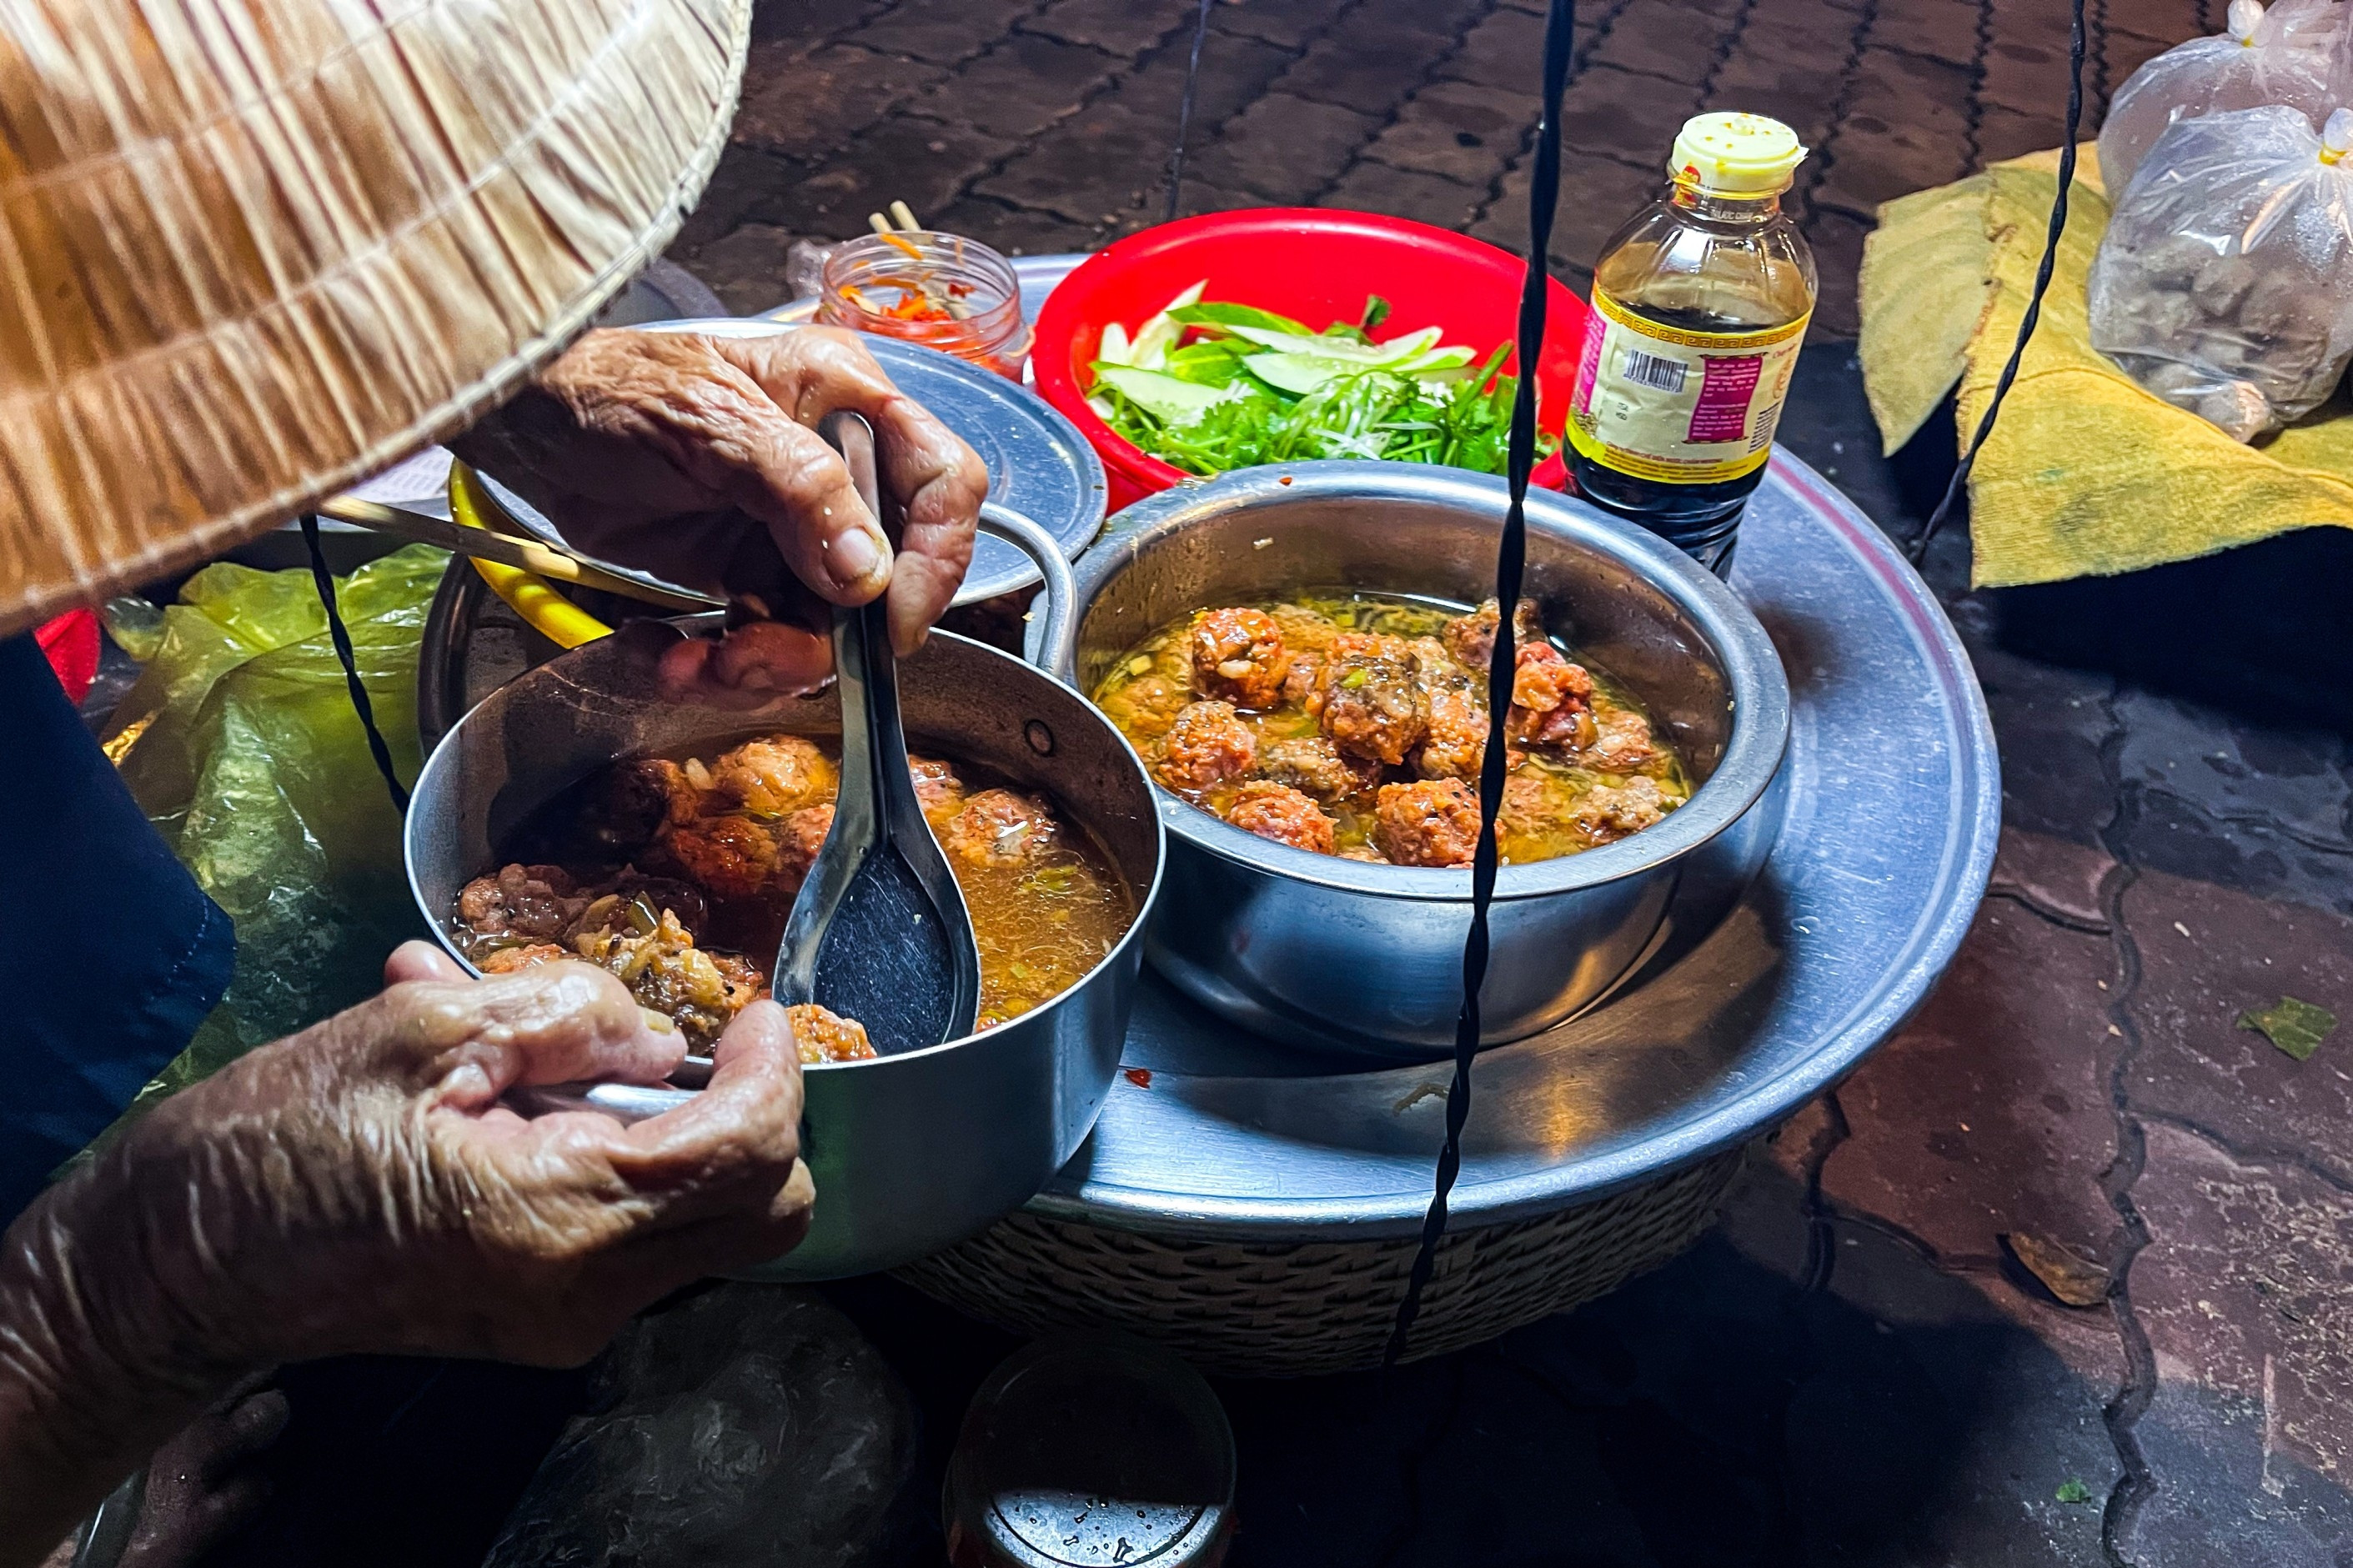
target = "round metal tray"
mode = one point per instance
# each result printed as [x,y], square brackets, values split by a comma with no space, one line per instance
[1893,810]
[1892,813]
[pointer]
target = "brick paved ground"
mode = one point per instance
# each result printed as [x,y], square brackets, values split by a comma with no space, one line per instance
[1854,1368]
[1046,124]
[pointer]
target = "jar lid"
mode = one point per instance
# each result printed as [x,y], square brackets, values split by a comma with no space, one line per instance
[1738,154]
[1092,1451]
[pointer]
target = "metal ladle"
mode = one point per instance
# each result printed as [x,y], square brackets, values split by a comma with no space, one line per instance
[879,931]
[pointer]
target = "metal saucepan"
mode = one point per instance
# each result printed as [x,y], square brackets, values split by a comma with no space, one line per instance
[913,1151]
[1296,945]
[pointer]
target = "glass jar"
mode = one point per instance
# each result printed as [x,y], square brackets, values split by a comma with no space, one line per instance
[941,291]
[1092,1451]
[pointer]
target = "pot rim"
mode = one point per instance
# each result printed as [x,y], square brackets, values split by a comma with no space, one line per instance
[1752,669]
[1146,898]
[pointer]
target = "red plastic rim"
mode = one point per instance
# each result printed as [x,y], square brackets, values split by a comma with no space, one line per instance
[71,645]
[1313,263]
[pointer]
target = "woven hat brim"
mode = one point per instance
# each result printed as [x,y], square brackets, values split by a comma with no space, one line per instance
[143,427]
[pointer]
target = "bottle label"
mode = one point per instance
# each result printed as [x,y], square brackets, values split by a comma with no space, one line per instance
[1680,407]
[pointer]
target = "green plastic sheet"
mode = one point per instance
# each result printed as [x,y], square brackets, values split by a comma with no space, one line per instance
[240,743]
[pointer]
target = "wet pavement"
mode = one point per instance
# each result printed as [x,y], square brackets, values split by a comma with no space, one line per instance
[1858,1366]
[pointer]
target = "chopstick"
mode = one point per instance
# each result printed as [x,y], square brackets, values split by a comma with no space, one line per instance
[506,549]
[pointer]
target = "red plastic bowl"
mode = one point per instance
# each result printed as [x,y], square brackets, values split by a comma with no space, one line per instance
[1313,264]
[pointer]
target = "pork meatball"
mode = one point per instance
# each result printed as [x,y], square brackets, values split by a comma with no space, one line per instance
[797,845]
[1000,827]
[730,856]
[1206,746]
[823,1036]
[937,788]
[1552,700]
[1531,800]
[1614,811]
[1313,766]
[1238,658]
[1433,821]
[537,901]
[1472,638]
[1456,742]
[1147,706]
[1621,744]
[1373,706]
[634,800]
[773,776]
[1282,813]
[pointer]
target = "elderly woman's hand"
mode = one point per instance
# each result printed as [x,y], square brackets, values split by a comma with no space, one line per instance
[360,1187]
[696,458]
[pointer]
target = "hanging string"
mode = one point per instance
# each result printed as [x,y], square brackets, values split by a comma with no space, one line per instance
[1185,110]
[340,635]
[2026,325]
[1511,560]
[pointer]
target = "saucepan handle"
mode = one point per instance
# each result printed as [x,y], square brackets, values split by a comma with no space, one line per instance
[625,1103]
[1051,642]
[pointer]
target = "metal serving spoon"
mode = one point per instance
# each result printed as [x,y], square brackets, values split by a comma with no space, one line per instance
[879,931]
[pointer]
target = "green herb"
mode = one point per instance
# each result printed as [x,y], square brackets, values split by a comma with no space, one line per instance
[1256,387]
[1054,879]
[2295,1027]
[1355,679]
[2072,1491]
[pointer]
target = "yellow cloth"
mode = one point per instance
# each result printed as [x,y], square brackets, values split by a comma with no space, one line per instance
[2085,474]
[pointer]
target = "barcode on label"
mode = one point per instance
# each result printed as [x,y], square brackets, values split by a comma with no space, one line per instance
[1655,370]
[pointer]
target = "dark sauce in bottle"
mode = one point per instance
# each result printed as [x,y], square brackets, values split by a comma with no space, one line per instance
[1700,304]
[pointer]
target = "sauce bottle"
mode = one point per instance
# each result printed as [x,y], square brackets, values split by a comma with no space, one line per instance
[1699,304]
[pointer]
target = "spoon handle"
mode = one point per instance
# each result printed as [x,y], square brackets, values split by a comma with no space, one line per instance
[872,743]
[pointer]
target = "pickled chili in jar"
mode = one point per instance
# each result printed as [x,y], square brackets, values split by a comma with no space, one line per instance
[941,291]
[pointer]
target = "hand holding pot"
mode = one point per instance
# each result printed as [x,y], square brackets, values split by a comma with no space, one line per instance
[360,1187]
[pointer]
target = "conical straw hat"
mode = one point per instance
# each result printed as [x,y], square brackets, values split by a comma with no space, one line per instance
[254,251]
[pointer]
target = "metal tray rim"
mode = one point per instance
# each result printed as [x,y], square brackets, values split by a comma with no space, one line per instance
[1964,867]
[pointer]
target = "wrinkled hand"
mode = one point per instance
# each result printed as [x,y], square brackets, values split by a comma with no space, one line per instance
[360,1187]
[697,458]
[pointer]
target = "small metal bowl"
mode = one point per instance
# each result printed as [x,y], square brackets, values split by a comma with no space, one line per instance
[911,1151]
[1299,946]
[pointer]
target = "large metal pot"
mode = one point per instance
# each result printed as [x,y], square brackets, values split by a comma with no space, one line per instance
[913,1151]
[1299,946]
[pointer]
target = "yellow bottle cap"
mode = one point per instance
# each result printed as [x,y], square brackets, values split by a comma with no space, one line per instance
[1738,154]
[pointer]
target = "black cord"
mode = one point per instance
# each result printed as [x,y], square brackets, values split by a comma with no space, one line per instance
[2027,323]
[1511,560]
[1185,110]
[324,581]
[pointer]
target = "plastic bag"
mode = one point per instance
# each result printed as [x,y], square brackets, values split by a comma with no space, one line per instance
[2300,54]
[2224,283]
[240,743]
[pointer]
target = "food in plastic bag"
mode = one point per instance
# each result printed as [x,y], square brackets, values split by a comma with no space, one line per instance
[2224,283]
[240,743]
[2300,54]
